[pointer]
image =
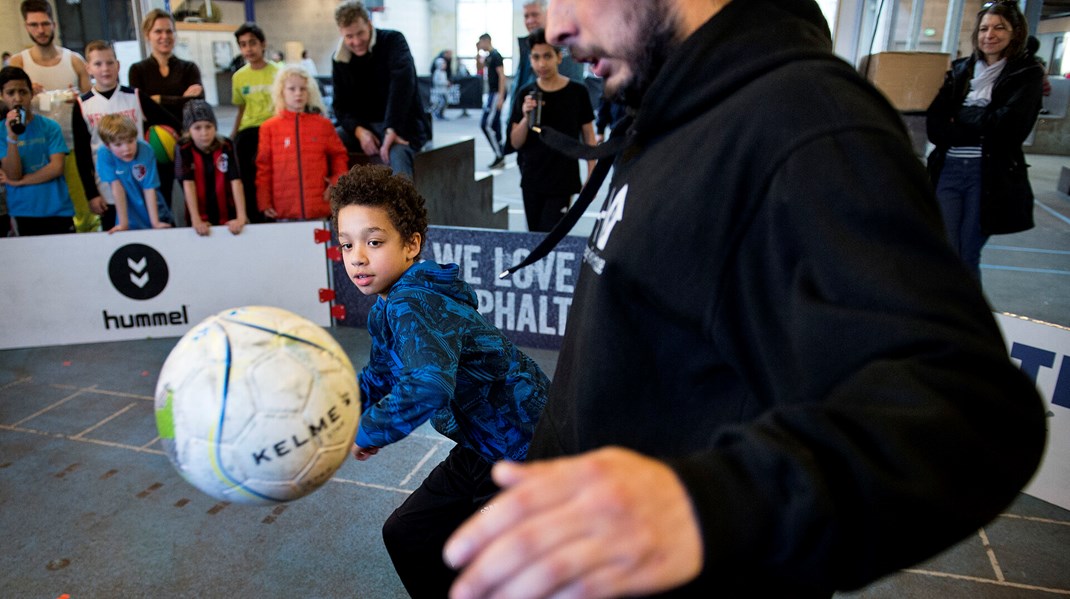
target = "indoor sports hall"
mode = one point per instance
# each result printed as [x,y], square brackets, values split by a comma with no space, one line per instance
[92,508]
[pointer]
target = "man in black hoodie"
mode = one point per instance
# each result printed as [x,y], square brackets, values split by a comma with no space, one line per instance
[777,380]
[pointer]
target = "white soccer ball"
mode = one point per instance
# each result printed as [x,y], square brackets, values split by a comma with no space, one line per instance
[257,405]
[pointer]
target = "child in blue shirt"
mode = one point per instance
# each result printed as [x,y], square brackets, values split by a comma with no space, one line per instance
[128,165]
[31,162]
[433,357]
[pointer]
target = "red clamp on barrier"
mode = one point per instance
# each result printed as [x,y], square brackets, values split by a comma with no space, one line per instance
[335,253]
[327,295]
[321,235]
[338,312]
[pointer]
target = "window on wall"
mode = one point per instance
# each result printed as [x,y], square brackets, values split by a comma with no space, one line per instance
[476,17]
[828,8]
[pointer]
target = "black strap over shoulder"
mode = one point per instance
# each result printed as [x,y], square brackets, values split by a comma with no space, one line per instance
[605,154]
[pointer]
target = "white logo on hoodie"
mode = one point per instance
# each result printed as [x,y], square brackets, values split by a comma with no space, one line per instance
[610,217]
[607,219]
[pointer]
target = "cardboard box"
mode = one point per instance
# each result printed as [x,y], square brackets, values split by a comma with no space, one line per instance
[909,80]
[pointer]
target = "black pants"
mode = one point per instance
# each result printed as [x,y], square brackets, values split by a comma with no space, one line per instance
[246,144]
[543,210]
[417,531]
[26,226]
[166,171]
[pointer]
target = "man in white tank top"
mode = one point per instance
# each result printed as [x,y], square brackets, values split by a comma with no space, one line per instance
[49,66]
[53,68]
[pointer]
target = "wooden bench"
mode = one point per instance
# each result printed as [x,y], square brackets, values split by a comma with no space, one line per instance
[444,174]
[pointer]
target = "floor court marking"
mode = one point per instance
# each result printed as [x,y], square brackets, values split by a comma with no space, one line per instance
[1013,585]
[1043,271]
[94,389]
[357,483]
[1036,519]
[1052,212]
[991,555]
[134,448]
[103,422]
[420,464]
[1012,248]
[21,381]
[51,407]
[145,449]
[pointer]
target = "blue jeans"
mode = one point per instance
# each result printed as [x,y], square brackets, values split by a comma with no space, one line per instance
[959,195]
[401,156]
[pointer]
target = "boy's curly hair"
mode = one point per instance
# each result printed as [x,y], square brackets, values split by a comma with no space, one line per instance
[378,186]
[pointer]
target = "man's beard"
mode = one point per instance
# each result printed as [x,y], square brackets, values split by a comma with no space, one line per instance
[51,38]
[649,60]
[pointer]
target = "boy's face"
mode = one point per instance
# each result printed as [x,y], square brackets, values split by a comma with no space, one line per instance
[124,149]
[372,249]
[252,50]
[544,61]
[104,69]
[17,93]
[202,133]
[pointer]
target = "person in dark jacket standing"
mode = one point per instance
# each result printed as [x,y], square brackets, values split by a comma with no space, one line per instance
[777,380]
[978,121]
[167,79]
[376,102]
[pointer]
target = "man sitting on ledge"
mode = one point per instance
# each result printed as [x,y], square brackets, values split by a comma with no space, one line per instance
[376,102]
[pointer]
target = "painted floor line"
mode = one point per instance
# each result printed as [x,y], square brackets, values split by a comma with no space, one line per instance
[1043,271]
[1011,248]
[1052,212]
[1015,585]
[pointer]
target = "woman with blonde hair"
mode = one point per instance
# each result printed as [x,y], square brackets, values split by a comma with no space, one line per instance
[300,154]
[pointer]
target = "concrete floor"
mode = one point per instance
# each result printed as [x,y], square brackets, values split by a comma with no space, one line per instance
[91,507]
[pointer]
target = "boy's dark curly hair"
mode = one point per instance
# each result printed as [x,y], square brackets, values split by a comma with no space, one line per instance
[376,185]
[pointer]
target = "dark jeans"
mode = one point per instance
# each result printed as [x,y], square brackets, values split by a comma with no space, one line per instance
[401,156]
[543,210]
[417,531]
[491,123]
[959,195]
[246,144]
[26,226]
[167,185]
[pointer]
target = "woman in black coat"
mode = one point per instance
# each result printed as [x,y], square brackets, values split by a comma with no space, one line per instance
[166,78]
[978,121]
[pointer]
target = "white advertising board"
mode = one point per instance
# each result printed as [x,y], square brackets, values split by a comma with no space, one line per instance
[1043,353]
[94,287]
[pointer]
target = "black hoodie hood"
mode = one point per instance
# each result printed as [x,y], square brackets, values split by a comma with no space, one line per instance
[719,58]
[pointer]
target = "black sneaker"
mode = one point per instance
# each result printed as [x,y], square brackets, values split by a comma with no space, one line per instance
[497,164]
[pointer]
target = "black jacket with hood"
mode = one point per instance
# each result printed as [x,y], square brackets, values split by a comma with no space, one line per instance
[769,305]
[999,128]
[390,96]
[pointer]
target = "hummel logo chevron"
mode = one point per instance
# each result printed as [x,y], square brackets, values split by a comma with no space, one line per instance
[138,268]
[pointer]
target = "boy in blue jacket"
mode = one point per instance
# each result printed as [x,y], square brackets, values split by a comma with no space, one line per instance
[433,357]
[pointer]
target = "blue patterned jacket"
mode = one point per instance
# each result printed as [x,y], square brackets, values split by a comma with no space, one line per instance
[434,356]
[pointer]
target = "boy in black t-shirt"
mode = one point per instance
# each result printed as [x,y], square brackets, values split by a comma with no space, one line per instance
[548,178]
[491,123]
